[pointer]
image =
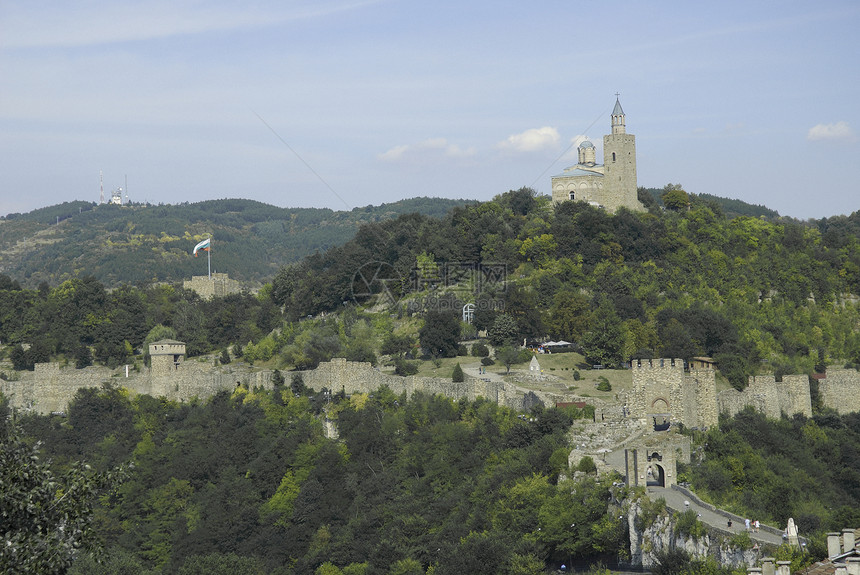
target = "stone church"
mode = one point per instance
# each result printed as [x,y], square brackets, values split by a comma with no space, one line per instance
[610,185]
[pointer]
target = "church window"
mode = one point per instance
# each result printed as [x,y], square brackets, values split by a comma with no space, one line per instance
[572,195]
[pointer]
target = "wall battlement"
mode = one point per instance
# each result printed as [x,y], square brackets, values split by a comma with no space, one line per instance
[50,388]
[661,388]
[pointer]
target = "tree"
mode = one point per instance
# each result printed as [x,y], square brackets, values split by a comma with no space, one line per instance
[457,376]
[508,355]
[47,518]
[218,564]
[604,342]
[569,315]
[439,334]
[675,198]
[480,350]
[20,359]
[504,330]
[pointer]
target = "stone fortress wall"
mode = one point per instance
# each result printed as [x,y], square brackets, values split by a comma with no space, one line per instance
[661,387]
[219,285]
[50,388]
[841,390]
[770,397]
[662,390]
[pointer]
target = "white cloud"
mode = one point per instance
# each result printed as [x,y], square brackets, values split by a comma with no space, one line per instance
[432,146]
[838,131]
[531,140]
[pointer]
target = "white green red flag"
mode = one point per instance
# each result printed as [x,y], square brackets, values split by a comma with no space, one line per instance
[202,246]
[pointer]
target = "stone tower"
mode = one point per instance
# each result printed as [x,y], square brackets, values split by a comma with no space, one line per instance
[619,160]
[166,355]
[610,185]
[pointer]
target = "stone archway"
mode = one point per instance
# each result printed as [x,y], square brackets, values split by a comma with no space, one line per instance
[655,475]
[660,405]
[660,414]
[651,464]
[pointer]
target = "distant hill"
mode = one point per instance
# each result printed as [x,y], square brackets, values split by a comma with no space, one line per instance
[145,243]
[731,208]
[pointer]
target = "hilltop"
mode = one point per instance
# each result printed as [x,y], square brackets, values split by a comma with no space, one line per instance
[141,243]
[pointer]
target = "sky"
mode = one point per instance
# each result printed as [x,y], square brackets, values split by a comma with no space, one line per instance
[346,103]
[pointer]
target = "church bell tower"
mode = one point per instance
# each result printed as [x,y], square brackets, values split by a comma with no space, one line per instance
[619,159]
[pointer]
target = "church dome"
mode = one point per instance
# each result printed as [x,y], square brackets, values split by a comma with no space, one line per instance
[587,153]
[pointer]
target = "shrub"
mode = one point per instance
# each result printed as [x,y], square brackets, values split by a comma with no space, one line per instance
[586,465]
[688,524]
[457,376]
[403,367]
[462,350]
[741,540]
[480,350]
[487,361]
[603,384]
[576,375]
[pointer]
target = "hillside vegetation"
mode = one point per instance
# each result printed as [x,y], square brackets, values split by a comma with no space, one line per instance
[249,481]
[139,244]
[759,296]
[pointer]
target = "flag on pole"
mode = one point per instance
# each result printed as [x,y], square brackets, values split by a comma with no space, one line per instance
[204,245]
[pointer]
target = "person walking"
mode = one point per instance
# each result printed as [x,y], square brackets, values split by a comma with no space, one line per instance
[747,523]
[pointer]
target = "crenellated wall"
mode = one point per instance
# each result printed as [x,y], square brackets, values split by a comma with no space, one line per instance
[770,397]
[663,390]
[841,390]
[660,387]
[50,388]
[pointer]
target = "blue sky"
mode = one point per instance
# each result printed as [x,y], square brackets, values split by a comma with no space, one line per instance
[330,103]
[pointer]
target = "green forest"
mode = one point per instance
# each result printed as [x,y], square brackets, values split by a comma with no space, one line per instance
[250,481]
[141,244]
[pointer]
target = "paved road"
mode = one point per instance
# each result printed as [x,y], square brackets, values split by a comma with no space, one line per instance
[675,500]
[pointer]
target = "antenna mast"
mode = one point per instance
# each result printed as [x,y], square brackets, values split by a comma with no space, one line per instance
[101,188]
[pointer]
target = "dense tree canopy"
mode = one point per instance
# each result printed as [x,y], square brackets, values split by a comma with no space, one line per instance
[248,481]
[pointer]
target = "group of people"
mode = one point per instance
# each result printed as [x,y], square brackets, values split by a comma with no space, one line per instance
[753,526]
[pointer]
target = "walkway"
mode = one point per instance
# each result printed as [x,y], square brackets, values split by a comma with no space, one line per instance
[675,500]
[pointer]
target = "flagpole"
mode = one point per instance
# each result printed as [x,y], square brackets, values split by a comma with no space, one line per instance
[209,257]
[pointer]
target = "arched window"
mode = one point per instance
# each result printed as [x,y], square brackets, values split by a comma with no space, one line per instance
[572,195]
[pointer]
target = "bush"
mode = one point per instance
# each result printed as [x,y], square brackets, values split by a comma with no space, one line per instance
[587,465]
[741,540]
[457,376]
[462,350]
[487,361]
[480,350]
[576,375]
[688,524]
[404,368]
[603,384]
[525,356]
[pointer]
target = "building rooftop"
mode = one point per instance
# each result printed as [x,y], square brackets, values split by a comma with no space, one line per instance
[576,171]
